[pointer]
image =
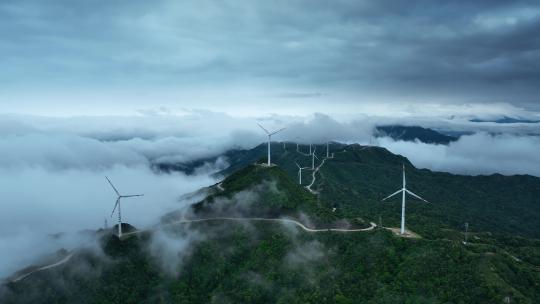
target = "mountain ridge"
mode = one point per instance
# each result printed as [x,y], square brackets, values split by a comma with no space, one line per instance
[265,261]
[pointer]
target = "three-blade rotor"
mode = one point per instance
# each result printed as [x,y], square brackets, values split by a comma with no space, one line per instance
[119,196]
[399,191]
[301,168]
[270,133]
[406,190]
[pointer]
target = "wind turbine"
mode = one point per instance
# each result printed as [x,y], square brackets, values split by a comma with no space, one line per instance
[270,139]
[300,172]
[310,149]
[327,150]
[313,156]
[403,191]
[119,197]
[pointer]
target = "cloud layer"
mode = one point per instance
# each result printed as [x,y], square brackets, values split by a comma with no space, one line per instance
[238,54]
[475,154]
[52,170]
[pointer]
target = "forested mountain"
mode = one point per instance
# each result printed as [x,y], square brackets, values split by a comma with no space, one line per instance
[257,261]
[412,133]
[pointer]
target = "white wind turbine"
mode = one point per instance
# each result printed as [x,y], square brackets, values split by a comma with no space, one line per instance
[403,191]
[313,156]
[270,139]
[327,150]
[119,197]
[300,172]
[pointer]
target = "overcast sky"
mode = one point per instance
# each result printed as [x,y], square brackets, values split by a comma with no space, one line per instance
[63,57]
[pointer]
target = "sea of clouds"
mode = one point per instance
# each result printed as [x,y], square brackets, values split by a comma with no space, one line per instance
[52,170]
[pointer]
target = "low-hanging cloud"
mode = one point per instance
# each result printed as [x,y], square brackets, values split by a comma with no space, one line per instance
[475,154]
[171,248]
[53,181]
[40,202]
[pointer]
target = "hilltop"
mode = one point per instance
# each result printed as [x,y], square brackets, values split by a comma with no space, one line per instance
[358,177]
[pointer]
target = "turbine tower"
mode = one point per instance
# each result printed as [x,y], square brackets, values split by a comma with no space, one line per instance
[270,139]
[466,231]
[327,150]
[300,172]
[313,156]
[118,198]
[403,191]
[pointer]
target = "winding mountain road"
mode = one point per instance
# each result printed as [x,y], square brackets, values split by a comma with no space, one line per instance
[313,177]
[282,220]
[62,261]
[290,221]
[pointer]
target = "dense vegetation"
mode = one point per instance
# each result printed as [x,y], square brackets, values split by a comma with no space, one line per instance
[358,177]
[267,263]
[260,191]
[264,262]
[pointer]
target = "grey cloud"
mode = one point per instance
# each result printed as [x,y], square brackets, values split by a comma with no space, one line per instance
[475,50]
[474,154]
[172,248]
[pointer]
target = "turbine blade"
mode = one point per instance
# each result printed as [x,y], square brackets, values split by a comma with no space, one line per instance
[298,165]
[418,197]
[403,176]
[133,195]
[112,186]
[264,129]
[115,205]
[392,194]
[277,131]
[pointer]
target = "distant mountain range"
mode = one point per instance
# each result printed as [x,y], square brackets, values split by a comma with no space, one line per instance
[240,157]
[506,120]
[412,133]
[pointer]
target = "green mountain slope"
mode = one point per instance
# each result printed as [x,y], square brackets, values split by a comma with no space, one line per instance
[260,191]
[268,263]
[223,261]
[358,177]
